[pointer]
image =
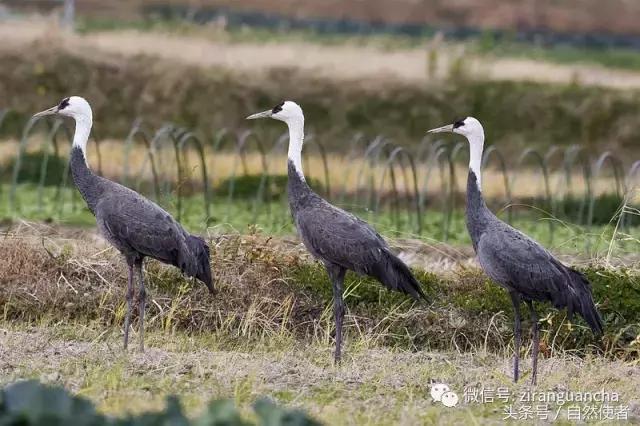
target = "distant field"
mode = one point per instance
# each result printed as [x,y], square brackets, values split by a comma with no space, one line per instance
[486,48]
[387,58]
[375,96]
[616,16]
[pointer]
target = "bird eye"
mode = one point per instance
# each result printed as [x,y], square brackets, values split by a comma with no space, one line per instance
[63,104]
[458,123]
[276,109]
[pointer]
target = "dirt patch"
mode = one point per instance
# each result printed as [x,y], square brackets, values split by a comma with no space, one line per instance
[341,63]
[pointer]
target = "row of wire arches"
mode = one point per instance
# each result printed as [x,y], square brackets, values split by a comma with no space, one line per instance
[388,178]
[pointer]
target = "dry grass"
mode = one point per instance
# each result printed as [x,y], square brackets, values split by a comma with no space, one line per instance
[373,386]
[268,331]
[346,62]
[78,277]
[268,288]
[86,281]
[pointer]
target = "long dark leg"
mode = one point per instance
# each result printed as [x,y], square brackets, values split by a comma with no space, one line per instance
[142,302]
[129,296]
[517,331]
[535,327]
[336,274]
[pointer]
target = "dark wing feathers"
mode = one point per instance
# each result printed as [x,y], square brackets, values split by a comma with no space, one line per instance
[520,264]
[142,226]
[340,238]
[138,226]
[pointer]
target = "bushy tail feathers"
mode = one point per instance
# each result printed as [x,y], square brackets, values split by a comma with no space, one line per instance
[583,303]
[395,275]
[198,264]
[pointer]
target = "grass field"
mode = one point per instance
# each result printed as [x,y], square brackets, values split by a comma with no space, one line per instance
[374,386]
[242,215]
[614,58]
[268,332]
[343,91]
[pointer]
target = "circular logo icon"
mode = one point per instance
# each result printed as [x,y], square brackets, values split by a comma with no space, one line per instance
[437,390]
[449,399]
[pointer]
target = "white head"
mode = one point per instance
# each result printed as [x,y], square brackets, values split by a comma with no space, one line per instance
[287,111]
[78,109]
[291,113]
[469,127]
[74,107]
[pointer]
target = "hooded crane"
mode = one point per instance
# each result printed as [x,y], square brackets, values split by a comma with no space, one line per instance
[340,240]
[134,225]
[516,262]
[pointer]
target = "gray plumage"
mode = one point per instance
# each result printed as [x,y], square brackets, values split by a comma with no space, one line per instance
[513,260]
[337,238]
[526,269]
[340,239]
[344,242]
[521,265]
[139,228]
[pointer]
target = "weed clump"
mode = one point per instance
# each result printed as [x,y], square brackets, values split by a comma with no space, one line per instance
[270,288]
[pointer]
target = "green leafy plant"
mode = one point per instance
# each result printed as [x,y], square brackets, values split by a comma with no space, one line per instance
[31,403]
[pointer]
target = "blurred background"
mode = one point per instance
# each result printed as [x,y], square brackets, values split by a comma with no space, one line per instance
[555,84]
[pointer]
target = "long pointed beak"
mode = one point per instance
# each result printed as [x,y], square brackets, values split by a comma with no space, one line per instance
[50,111]
[262,114]
[443,129]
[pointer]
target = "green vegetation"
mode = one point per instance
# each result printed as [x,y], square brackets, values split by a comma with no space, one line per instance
[248,34]
[267,187]
[607,57]
[33,404]
[515,115]
[37,168]
[268,288]
[268,331]
[245,212]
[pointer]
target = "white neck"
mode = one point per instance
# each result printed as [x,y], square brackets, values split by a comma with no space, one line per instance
[296,138]
[476,145]
[83,129]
